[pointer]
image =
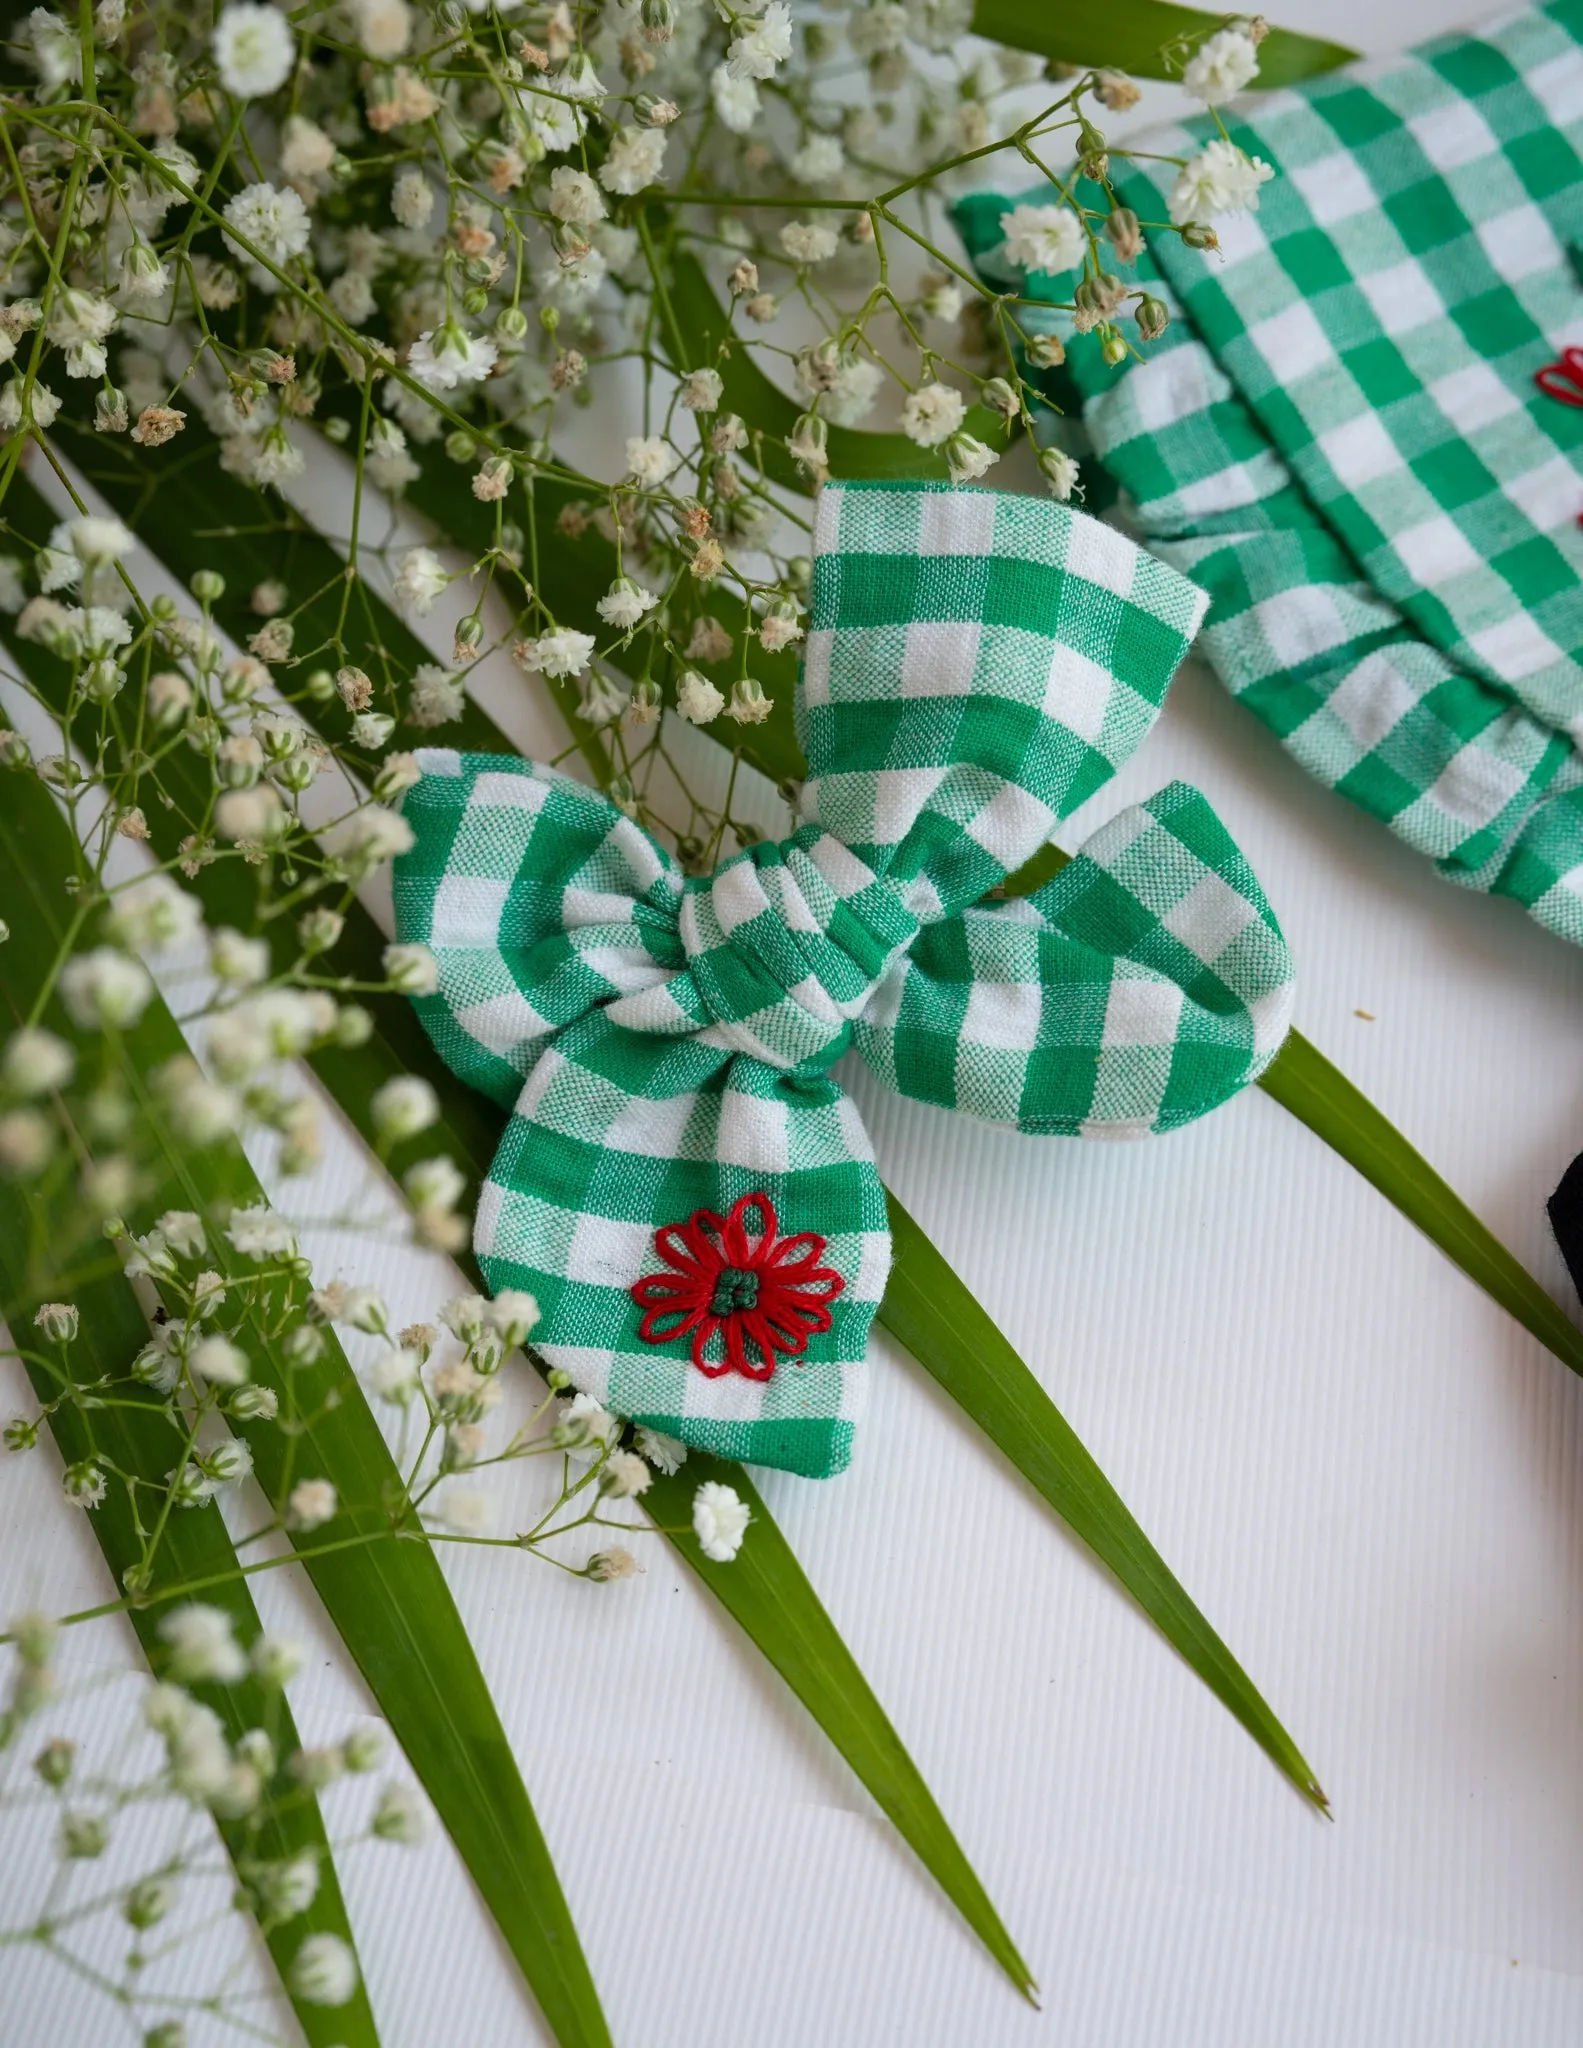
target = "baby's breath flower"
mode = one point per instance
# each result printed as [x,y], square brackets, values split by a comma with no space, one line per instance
[606,1567]
[84,1835]
[808,443]
[575,197]
[625,603]
[583,1422]
[153,915]
[83,1484]
[968,459]
[323,1971]
[650,460]
[779,627]
[702,390]
[156,424]
[404,1106]
[270,220]
[697,699]
[443,359]
[1044,238]
[749,705]
[57,1320]
[720,1520]
[254,50]
[736,99]
[393,1376]
[809,241]
[666,1454]
[1220,179]
[435,1183]
[1114,89]
[200,1646]
[412,969]
[411,198]
[436,698]
[286,1888]
[635,159]
[624,1475]
[311,1503]
[760,47]
[36,1062]
[512,1315]
[1221,66]
[932,414]
[218,1362]
[228,1462]
[819,161]
[399,1816]
[560,652]
[105,989]
[260,1234]
[369,838]
[382,27]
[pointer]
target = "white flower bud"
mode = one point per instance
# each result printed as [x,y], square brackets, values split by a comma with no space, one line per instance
[311,1503]
[219,1362]
[412,969]
[720,1520]
[58,1321]
[512,1315]
[323,1971]
[202,1649]
[404,1106]
[105,989]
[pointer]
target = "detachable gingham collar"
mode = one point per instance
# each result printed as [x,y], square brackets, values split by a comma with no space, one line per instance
[690,1197]
[1341,438]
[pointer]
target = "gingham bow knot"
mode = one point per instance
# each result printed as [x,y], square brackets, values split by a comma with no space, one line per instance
[690,1197]
[784,947]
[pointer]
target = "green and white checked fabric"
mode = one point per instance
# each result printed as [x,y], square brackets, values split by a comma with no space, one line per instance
[976,665]
[1340,439]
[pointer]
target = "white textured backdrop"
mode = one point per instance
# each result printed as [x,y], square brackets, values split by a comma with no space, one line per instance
[1370,1479]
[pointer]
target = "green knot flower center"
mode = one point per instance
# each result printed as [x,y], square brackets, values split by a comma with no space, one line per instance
[734,1289]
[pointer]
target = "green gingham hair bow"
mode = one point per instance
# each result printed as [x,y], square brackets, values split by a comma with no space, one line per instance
[689,1195]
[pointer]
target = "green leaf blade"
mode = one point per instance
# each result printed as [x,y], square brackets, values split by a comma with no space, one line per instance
[697,330]
[1319,1095]
[1131,35]
[387,1595]
[766,1592]
[929,1310]
[134,1436]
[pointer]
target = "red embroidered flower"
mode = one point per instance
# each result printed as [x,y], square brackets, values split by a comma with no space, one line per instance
[769,1294]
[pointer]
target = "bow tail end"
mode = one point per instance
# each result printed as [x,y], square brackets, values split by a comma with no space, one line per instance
[616,1140]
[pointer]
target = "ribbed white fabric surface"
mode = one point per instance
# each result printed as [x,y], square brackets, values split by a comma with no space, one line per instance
[1370,1479]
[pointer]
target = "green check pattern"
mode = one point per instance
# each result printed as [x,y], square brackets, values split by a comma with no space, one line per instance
[1340,439]
[976,666]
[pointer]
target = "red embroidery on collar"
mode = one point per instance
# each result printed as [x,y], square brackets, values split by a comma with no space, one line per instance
[769,1294]
[1563,380]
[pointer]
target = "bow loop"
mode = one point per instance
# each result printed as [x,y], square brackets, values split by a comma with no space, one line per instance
[977,665]
[539,900]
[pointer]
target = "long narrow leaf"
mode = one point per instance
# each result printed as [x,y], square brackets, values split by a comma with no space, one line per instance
[1318,1094]
[134,1436]
[930,1311]
[783,1616]
[379,1582]
[766,1591]
[1132,35]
